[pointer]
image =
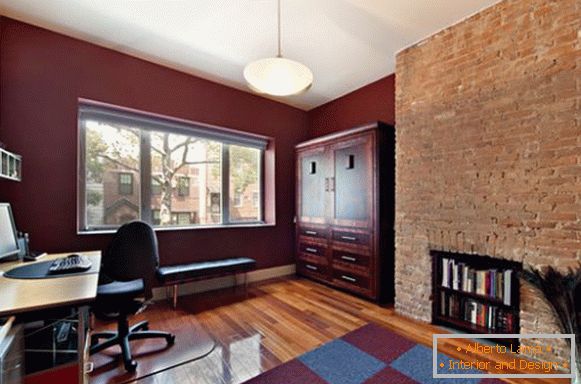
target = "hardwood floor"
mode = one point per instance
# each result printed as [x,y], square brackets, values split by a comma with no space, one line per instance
[274,322]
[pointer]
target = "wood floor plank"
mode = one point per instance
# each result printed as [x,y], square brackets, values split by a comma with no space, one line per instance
[274,322]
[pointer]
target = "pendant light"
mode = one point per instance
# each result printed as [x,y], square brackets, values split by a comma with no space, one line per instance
[278,76]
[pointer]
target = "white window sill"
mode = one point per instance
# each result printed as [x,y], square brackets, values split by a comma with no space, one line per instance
[183,228]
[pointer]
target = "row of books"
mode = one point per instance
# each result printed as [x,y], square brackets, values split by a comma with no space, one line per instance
[471,311]
[489,282]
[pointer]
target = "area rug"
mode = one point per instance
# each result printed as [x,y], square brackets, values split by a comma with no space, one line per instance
[368,355]
[154,356]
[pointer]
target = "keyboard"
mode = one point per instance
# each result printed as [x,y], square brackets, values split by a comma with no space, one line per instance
[70,264]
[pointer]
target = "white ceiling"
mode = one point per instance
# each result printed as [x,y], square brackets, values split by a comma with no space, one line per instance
[346,43]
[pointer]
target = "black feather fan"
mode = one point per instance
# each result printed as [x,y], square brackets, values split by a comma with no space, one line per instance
[561,291]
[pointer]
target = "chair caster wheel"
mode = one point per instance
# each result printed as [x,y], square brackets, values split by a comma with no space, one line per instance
[171,339]
[131,366]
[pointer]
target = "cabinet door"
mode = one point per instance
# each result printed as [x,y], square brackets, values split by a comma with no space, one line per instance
[353,184]
[313,185]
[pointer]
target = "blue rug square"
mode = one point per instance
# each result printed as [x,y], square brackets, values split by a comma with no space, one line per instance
[417,364]
[339,362]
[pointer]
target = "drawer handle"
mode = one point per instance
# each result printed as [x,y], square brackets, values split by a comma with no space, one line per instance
[348,258]
[89,367]
[349,238]
[311,267]
[312,233]
[312,250]
[348,278]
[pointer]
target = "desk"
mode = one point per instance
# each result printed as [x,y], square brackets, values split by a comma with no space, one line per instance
[24,296]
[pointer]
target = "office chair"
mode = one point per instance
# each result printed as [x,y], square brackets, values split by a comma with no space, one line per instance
[127,276]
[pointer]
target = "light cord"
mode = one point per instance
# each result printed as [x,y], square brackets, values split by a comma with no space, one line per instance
[279,32]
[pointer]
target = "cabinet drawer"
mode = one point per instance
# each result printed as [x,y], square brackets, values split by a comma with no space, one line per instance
[351,279]
[312,249]
[351,258]
[352,237]
[308,258]
[311,269]
[313,232]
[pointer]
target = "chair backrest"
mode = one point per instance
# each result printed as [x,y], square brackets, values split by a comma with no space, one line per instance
[133,254]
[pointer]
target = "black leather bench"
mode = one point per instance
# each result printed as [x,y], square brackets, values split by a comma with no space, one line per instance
[174,275]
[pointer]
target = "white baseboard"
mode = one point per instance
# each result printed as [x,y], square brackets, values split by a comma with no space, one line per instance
[226,281]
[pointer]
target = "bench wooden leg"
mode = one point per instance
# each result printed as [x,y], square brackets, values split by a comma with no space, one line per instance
[175,296]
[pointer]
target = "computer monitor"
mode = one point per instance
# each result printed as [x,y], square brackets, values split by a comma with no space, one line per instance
[8,236]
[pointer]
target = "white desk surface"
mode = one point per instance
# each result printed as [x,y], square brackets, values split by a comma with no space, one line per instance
[26,295]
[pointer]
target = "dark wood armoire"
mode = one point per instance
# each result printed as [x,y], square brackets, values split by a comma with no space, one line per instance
[345,210]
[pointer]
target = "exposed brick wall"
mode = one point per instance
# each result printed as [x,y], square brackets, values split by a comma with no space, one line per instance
[489,146]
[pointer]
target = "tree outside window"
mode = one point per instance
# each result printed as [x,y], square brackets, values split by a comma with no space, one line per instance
[184,177]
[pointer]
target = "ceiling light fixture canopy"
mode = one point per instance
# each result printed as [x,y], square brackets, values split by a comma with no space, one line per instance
[278,76]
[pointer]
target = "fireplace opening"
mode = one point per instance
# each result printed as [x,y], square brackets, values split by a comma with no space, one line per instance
[476,294]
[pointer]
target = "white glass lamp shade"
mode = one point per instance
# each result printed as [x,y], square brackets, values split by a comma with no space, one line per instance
[278,76]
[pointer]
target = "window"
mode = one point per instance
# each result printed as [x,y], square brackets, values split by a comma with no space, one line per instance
[183,186]
[238,199]
[244,182]
[155,186]
[165,172]
[255,199]
[125,184]
[156,218]
[182,218]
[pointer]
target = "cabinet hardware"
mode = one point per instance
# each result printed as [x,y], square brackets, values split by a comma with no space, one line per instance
[348,278]
[348,258]
[312,250]
[311,267]
[349,238]
[326,184]
[350,161]
[312,233]
[89,367]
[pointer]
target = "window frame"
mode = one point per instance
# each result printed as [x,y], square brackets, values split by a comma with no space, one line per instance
[185,192]
[145,176]
[240,197]
[180,215]
[256,201]
[154,190]
[121,185]
[153,214]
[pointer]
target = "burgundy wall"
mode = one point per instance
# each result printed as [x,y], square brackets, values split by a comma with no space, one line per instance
[373,102]
[44,73]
